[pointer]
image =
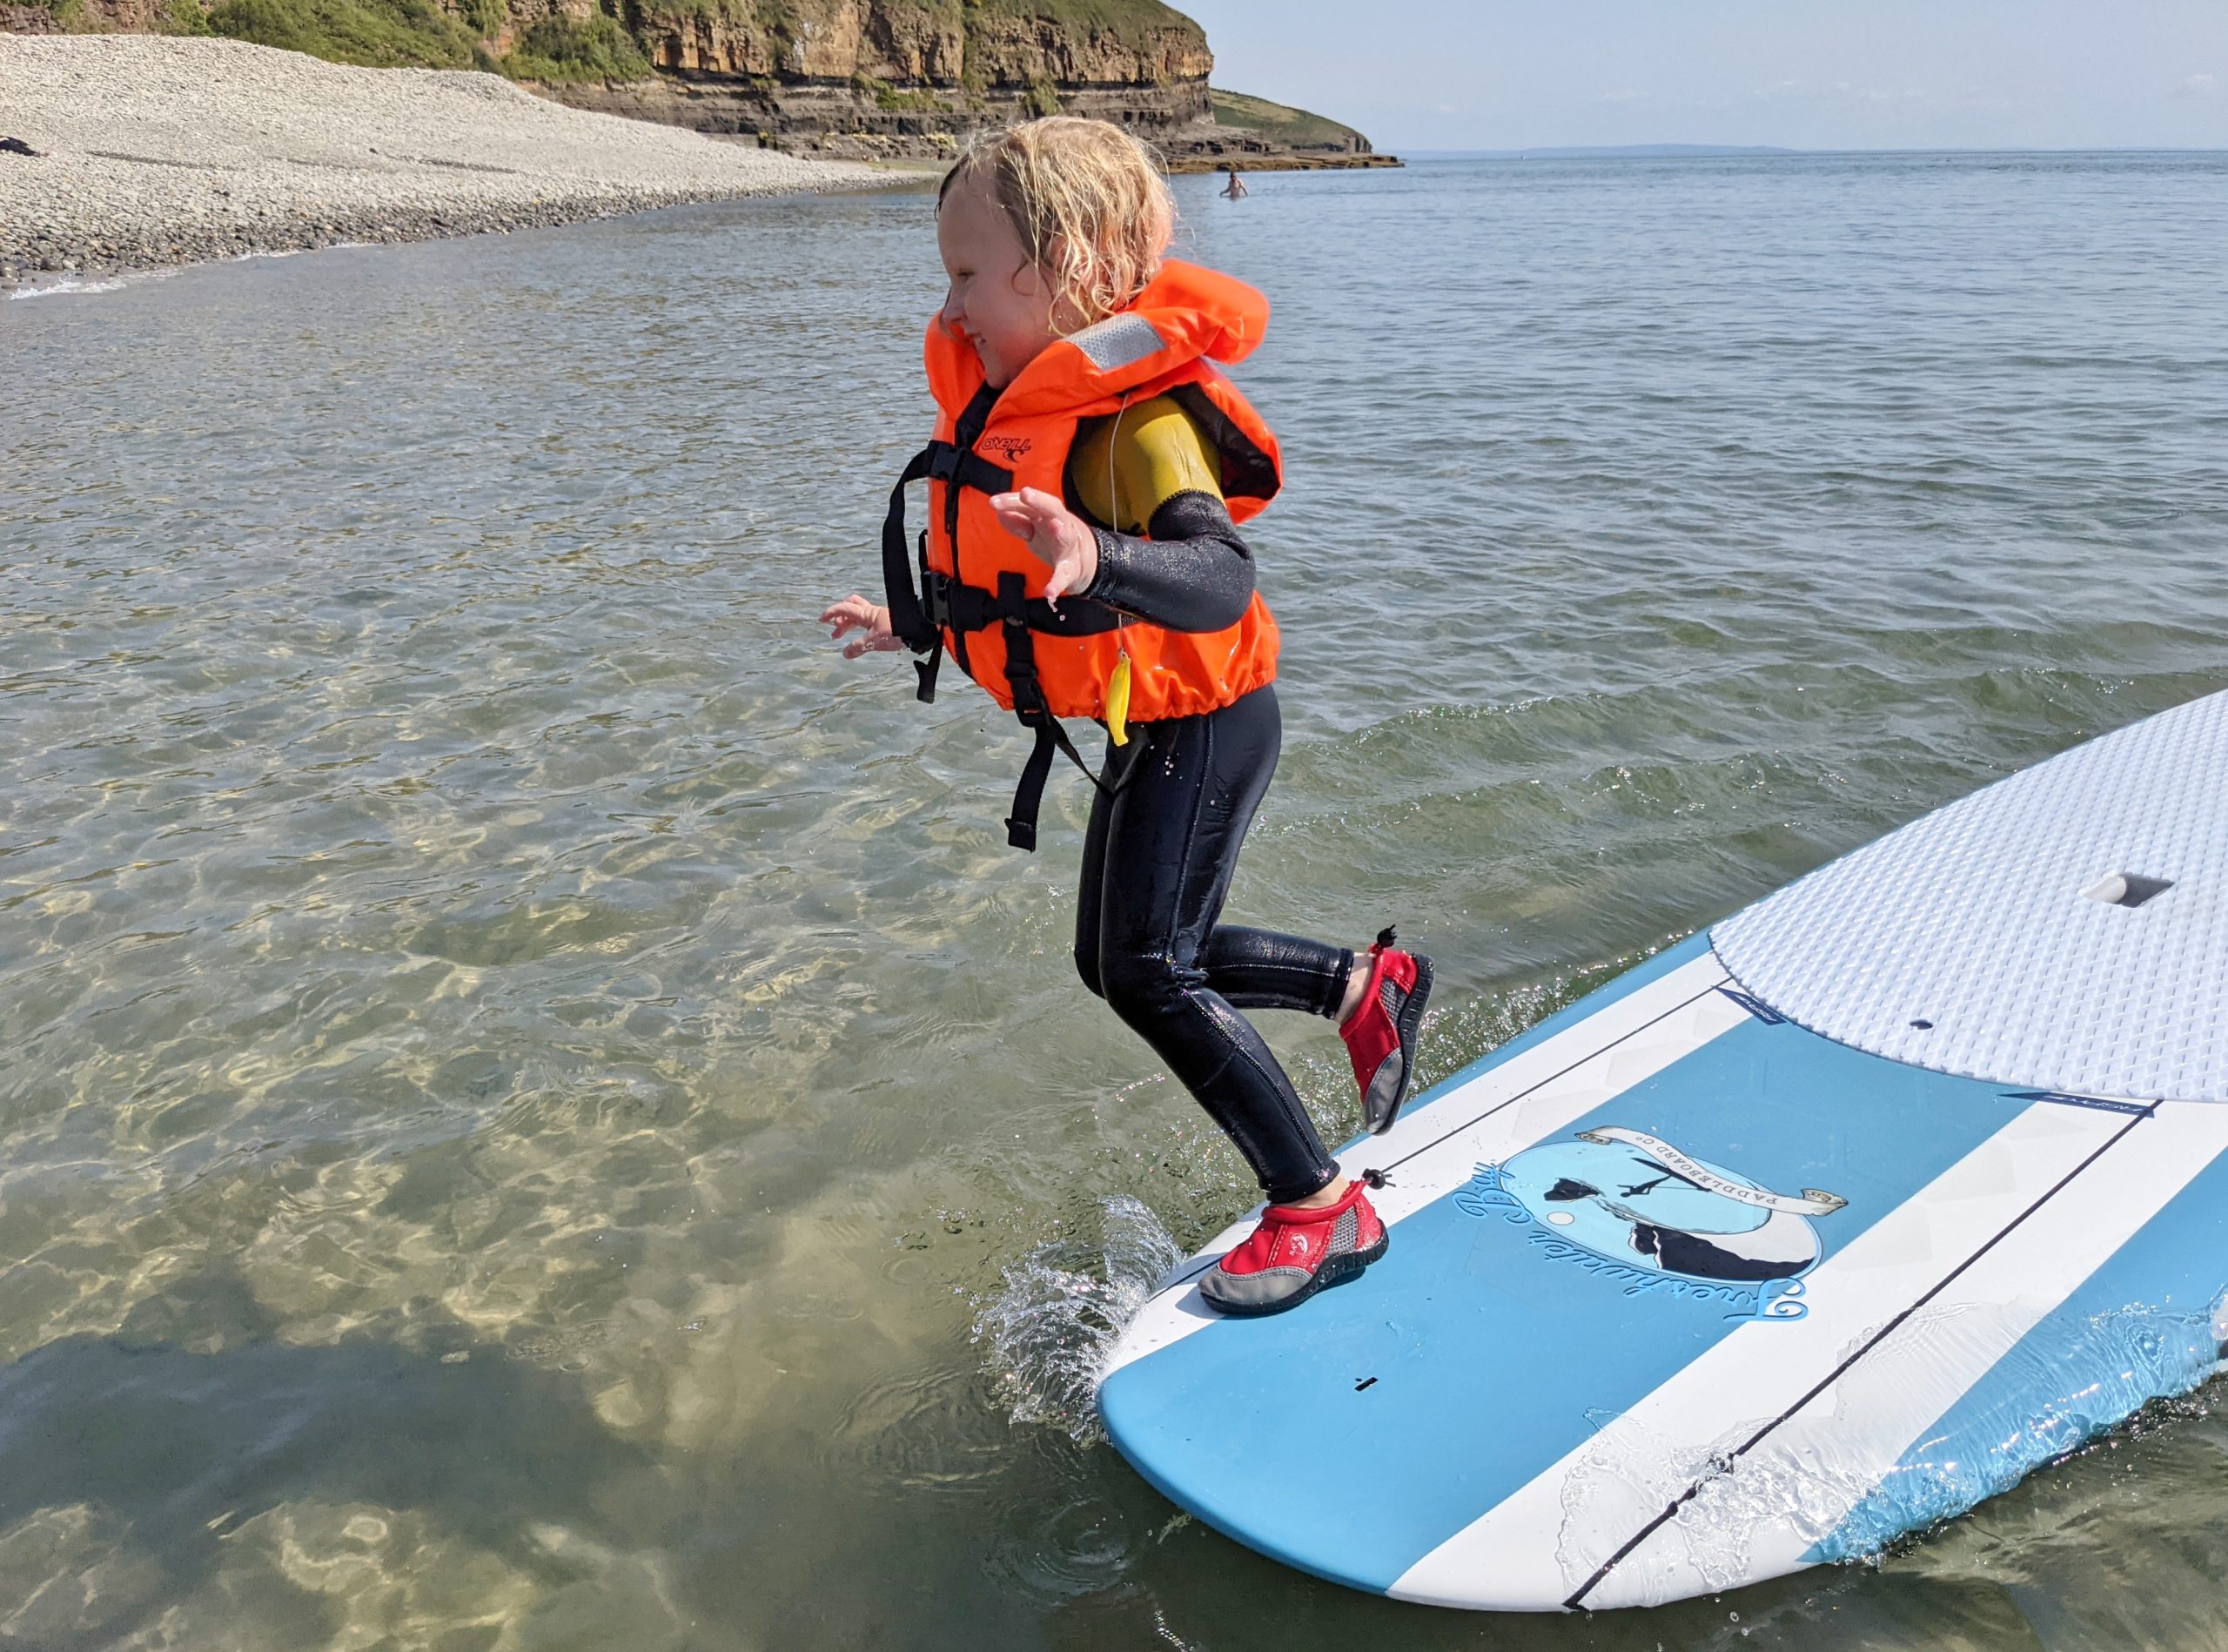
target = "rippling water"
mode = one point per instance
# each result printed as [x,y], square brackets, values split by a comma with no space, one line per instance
[525,1071]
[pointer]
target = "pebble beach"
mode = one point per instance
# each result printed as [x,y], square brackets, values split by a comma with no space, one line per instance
[156,151]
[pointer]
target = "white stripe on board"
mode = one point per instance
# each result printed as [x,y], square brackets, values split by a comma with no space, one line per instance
[1849,1439]
[1508,1108]
[1539,1546]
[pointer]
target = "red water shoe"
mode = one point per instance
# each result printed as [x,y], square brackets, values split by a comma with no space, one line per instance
[1381,1034]
[1294,1253]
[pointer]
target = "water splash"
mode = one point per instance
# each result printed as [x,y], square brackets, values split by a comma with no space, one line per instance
[2139,1354]
[1622,1482]
[1047,1330]
[1835,1501]
[66,285]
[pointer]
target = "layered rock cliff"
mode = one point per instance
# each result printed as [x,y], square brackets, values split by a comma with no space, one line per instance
[948,43]
[861,77]
[905,77]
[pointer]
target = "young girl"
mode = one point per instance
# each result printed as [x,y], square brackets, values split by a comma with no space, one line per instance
[1082,560]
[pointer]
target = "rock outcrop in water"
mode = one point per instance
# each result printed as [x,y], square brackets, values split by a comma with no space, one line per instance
[862,78]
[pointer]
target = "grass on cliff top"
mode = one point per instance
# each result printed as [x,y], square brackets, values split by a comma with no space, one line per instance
[1133,23]
[418,34]
[378,34]
[558,48]
[1280,122]
[429,34]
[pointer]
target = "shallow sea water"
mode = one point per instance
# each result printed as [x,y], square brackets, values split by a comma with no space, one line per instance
[540,1112]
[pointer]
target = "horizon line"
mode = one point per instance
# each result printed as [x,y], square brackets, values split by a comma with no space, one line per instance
[1703,150]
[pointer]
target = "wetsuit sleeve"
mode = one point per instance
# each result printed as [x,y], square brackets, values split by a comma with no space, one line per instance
[1194,574]
[1152,468]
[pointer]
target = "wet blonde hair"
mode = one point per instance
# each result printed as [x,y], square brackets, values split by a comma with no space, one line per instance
[1088,201]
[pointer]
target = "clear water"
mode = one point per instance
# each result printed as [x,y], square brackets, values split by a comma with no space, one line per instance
[539,1111]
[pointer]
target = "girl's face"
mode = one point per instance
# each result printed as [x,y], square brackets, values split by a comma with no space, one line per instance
[1000,302]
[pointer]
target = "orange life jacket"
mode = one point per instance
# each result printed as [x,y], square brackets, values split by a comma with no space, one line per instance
[980,591]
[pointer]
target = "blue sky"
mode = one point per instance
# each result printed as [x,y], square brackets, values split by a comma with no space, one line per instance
[1863,74]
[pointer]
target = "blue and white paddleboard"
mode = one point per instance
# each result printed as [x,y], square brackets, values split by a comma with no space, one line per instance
[1814,1229]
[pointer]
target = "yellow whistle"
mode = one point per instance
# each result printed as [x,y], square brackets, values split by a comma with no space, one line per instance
[1117,702]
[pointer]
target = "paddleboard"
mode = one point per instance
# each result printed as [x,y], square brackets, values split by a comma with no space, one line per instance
[1811,1230]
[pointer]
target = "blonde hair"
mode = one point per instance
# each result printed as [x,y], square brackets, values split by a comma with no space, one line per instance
[1088,201]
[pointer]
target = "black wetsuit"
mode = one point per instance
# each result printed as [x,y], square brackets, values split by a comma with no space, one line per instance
[1172,810]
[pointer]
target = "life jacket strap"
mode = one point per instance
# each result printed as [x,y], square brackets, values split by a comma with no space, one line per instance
[1028,706]
[939,461]
[969,608]
[906,619]
[921,614]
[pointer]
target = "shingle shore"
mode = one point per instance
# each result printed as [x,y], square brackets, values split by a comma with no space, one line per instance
[161,151]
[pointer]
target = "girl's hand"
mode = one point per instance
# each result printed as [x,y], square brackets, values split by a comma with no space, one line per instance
[854,613]
[1055,535]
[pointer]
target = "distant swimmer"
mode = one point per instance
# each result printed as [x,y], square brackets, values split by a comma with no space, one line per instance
[1235,189]
[1090,466]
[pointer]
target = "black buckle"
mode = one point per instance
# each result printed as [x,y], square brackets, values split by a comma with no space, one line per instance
[943,461]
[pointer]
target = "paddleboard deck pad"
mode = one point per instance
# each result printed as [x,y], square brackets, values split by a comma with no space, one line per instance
[1809,1231]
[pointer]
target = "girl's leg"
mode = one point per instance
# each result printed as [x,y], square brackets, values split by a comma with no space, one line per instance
[1168,843]
[1260,970]
[1093,878]
[1253,968]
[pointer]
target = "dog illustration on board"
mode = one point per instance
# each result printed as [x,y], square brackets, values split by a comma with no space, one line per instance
[1633,1199]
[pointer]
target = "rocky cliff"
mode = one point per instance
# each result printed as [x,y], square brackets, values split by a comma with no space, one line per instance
[951,44]
[861,77]
[904,76]
[896,40]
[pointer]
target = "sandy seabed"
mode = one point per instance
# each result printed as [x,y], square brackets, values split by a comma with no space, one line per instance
[158,150]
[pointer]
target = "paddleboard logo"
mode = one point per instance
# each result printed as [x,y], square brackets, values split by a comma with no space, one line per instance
[1632,1207]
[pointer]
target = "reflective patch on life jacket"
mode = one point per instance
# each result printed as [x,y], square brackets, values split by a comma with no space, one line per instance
[1117,341]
